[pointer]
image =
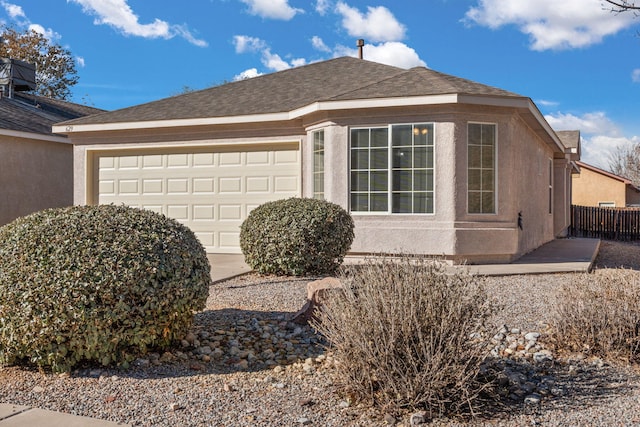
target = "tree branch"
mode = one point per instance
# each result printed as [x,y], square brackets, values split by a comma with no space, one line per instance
[623,5]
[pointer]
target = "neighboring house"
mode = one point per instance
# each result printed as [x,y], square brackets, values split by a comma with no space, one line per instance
[36,166]
[597,187]
[426,162]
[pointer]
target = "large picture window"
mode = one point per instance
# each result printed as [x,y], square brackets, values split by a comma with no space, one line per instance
[481,168]
[318,165]
[392,169]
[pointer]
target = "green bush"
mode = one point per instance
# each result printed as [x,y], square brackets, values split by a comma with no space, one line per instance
[598,314]
[96,283]
[400,334]
[296,236]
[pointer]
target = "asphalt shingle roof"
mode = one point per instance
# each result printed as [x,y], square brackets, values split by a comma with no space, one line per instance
[343,78]
[36,114]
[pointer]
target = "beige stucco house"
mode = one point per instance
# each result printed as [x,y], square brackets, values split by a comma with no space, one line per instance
[596,187]
[426,162]
[36,166]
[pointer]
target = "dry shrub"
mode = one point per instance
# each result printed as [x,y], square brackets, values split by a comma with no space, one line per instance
[599,315]
[401,335]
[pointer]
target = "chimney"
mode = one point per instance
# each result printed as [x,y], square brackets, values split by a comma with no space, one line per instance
[16,75]
[360,45]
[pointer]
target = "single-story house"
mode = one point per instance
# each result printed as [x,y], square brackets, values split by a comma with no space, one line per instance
[36,166]
[596,187]
[425,162]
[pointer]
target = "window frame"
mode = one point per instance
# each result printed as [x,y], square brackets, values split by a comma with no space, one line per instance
[318,173]
[551,186]
[431,143]
[495,169]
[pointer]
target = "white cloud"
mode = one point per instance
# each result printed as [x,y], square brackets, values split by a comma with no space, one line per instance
[390,53]
[13,10]
[274,62]
[47,33]
[319,44]
[245,44]
[589,123]
[601,137]
[273,9]
[298,62]
[635,75]
[377,25]
[16,13]
[322,6]
[119,15]
[547,103]
[247,74]
[80,61]
[552,24]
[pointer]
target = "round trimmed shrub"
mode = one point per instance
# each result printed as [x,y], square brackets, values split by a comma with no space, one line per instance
[296,236]
[96,284]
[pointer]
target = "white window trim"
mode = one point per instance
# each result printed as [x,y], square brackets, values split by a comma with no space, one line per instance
[606,204]
[313,157]
[551,186]
[390,169]
[495,171]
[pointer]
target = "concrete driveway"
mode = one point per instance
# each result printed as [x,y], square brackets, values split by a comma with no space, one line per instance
[226,266]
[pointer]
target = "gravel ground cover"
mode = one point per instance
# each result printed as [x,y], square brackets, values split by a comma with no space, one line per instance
[245,364]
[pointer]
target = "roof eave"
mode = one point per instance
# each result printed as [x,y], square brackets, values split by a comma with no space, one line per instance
[35,136]
[521,103]
[530,108]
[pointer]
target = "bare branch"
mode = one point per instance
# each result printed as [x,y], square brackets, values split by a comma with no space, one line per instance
[623,5]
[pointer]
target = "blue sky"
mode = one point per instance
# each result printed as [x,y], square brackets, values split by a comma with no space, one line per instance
[578,61]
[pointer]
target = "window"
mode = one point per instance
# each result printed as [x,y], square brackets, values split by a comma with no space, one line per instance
[481,170]
[392,169]
[318,165]
[550,186]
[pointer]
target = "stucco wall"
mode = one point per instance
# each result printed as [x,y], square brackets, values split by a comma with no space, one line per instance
[562,197]
[591,188]
[523,162]
[633,196]
[34,175]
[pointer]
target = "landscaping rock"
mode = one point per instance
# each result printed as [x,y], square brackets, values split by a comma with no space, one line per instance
[317,292]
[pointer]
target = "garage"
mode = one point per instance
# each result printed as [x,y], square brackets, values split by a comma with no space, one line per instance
[210,190]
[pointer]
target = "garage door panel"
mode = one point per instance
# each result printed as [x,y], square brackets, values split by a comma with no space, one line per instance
[210,192]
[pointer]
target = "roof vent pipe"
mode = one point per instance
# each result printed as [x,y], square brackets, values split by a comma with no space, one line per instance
[360,45]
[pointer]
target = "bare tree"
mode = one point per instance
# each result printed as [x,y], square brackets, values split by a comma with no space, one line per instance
[623,5]
[625,162]
[55,67]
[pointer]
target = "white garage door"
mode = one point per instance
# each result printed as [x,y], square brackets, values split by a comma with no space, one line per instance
[210,192]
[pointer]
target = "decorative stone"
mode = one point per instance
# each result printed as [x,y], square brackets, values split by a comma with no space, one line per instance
[390,419]
[418,418]
[533,399]
[532,336]
[317,292]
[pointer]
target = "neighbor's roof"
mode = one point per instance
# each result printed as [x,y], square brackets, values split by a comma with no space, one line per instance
[607,174]
[570,138]
[338,79]
[36,114]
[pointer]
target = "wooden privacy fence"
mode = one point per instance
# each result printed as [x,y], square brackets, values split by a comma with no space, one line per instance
[605,223]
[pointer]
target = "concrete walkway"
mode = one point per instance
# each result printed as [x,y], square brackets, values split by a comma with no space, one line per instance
[558,256]
[24,416]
